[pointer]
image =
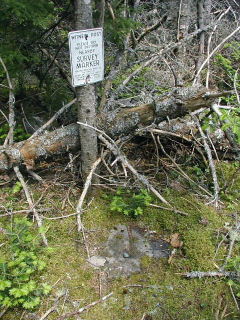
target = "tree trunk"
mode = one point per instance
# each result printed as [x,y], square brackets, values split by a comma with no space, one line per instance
[86,97]
[177,103]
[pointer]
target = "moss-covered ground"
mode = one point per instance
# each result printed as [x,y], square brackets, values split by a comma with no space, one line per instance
[159,291]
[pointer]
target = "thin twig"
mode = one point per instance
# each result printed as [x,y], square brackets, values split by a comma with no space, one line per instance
[235,86]
[234,235]
[88,306]
[234,299]
[209,274]
[209,44]
[169,209]
[180,171]
[111,145]
[210,160]
[212,53]
[218,309]
[50,121]
[11,122]
[80,202]
[224,312]
[30,202]
[152,28]
[3,312]
[53,308]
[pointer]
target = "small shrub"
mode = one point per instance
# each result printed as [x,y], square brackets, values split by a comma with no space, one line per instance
[18,286]
[130,205]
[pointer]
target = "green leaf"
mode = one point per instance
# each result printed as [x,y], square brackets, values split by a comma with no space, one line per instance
[15,292]
[5,284]
[230,283]
[46,288]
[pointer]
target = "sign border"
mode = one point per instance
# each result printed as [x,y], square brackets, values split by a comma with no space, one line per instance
[70,53]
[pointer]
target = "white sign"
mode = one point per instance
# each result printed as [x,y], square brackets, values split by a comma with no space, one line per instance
[87,56]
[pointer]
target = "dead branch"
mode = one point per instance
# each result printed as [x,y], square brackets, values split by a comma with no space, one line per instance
[180,171]
[210,160]
[209,44]
[168,209]
[133,74]
[3,312]
[50,121]
[88,306]
[11,101]
[234,236]
[80,202]
[234,299]
[125,163]
[111,11]
[111,145]
[152,28]
[212,53]
[200,274]
[235,86]
[30,202]
[53,308]
[49,144]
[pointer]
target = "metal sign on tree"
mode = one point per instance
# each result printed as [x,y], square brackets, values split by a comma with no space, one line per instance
[86,56]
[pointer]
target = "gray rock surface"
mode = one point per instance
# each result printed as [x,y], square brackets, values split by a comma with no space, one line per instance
[124,249]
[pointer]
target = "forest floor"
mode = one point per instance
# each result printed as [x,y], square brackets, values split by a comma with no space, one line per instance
[198,242]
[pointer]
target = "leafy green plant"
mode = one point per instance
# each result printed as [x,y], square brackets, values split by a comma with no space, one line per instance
[18,284]
[130,204]
[17,187]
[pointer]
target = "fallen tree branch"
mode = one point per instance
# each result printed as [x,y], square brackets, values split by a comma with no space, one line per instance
[212,53]
[53,308]
[200,274]
[169,209]
[30,202]
[111,145]
[122,122]
[3,312]
[88,306]
[125,163]
[210,161]
[52,143]
[152,28]
[80,203]
[180,171]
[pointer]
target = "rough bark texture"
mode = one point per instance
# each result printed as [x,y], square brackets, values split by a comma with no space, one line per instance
[177,103]
[86,96]
[47,145]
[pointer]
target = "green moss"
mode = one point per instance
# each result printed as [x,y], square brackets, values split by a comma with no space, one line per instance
[159,290]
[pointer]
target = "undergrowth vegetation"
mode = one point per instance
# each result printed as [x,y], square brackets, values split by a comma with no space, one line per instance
[18,285]
[205,236]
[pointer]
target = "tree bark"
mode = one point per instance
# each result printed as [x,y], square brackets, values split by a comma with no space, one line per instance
[177,103]
[86,97]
